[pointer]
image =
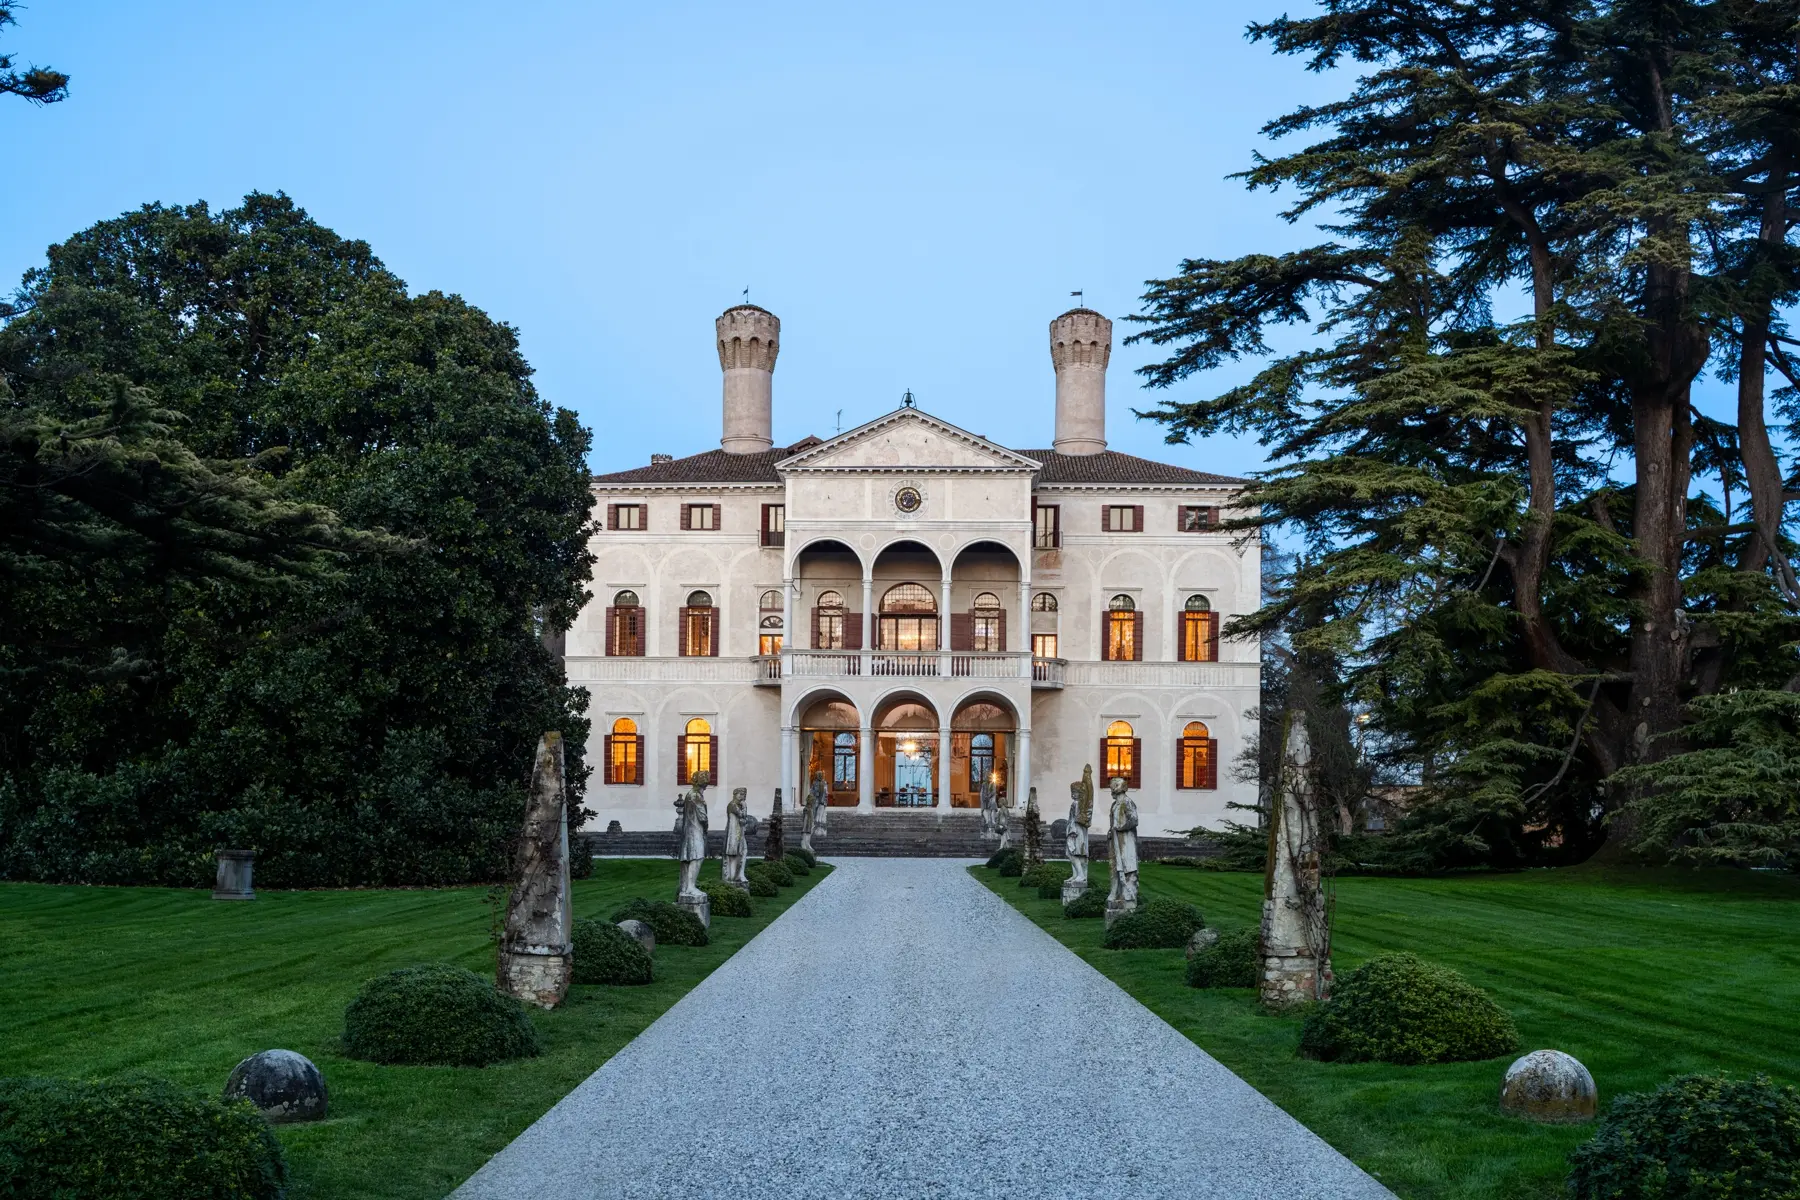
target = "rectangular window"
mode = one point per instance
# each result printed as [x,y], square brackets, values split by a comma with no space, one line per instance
[696,752]
[1043,645]
[1122,518]
[1198,767]
[1123,757]
[1199,637]
[699,632]
[625,517]
[1197,518]
[1124,637]
[987,638]
[829,624]
[625,631]
[700,516]
[774,524]
[843,763]
[1046,523]
[769,643]
[624,758]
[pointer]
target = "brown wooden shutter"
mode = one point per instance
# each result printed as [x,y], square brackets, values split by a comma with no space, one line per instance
[612,622]
[1105,518]
[815,628]
[962,631]
[1180,762]
[1209,778]
[681,633]
[1137,764]
[1137,518]
[637,767]
[712,632]
[712,758]
[607,757]
[686,523]
[718,517]
[1105,635]
[1212,518]
[1137,637]
[1212,637]
[612,516]
[853,631]
[681,771]
[1003,631]
[1106,780]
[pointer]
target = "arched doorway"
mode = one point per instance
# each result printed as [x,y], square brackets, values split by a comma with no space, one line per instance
[831,748]
[982,735]
[906,754]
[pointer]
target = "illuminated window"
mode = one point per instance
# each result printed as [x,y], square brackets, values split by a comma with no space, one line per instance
[828,622]
[988,624]
[697,750]
[1199,631]
[843,763]
[1124,629]
[768,639]
[908,619]
[625,626]
[981,761]
[624,753]
[699,626]
[1043,645]
[1199,758]
[1120,752]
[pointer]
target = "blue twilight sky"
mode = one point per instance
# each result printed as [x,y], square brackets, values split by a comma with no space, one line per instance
[913,189]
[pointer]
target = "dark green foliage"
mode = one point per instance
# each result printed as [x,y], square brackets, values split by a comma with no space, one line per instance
[1697,1137]
[438,1015]
[604,953]
[1396,1008]
[797,864]
[581,861]
[774,843]
[1046,875]
[674,925]
[1091,903]
[760,882]
[775,872]
[39,85]
[804,855]
[1158,923]
[1008,862]
[727,901]
[134,1139]
[1233,961]
[281,542]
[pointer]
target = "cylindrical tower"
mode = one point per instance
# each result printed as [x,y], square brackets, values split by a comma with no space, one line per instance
[1080,346]
[749,340]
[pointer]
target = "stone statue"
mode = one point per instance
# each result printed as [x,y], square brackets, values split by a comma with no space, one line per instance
[536,952]
[990,811]
[812,820]
[1123,897]
[691,848]
[774,847]
[1296,923]
[1075,837]
[737,845]
[1034,831]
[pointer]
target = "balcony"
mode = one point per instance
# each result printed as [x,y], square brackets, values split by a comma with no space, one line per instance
[931,664]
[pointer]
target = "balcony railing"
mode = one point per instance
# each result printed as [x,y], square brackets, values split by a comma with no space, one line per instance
[962,664]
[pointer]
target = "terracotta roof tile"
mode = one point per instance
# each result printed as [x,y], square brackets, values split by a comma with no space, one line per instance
[1110,466]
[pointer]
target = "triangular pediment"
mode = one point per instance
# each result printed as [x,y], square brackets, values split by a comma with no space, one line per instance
[907,440]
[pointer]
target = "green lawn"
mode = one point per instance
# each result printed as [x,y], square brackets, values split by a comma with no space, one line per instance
[100,981]
[1639,974]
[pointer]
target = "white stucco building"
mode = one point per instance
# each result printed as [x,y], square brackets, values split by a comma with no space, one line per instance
[907,608]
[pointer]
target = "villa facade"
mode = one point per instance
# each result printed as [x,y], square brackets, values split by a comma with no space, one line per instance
[907,609]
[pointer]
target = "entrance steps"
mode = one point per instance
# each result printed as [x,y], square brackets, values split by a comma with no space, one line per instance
[904,833]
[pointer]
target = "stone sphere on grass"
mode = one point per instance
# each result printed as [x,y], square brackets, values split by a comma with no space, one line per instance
[1548,1086]
[641,932]
[283,1085]
[606,954]
[437,1015]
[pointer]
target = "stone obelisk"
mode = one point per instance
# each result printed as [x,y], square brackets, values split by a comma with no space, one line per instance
[536,955]
[1296,927]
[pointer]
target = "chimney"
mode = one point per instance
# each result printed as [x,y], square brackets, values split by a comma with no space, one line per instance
[656,460]
[1080,345]
[749,340]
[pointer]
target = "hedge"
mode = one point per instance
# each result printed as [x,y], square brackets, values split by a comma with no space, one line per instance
[437,1014]
[1233,961]
[1155,924]
[727,901]
[1008,862]
[1091,903]
[1697,1137]
[674,925]
[1397,1009]
[606,954]
[797,864]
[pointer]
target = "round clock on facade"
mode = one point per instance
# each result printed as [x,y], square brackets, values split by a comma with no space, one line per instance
[907,499]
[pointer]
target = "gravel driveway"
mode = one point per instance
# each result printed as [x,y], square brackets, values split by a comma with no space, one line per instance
[903,1032]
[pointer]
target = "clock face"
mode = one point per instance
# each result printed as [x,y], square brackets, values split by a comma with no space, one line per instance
[907,499]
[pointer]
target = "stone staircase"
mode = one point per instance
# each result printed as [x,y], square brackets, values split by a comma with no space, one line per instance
[902,834]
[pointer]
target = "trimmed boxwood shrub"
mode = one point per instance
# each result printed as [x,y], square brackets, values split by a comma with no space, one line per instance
[1233,961]
[1156,924]
[1091,903]
[1697,1137]
[779,872]
[797,864]
[805,855]
[132,1138]
[673,924]
[761,884]
[436,1014]
[1396,1008]
[604,953]
[1008,862]
[1044,872]
[727,901]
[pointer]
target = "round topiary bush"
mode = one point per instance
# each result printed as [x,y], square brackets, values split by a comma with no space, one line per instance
[1008,862]
[1091,903]
[439,1015]
[1397,1009]
[604,953]
[761,884]
[804,855]
[1157,924]
[727,901]
[797,864]
[674,925]
[1045,873]
[1696,1137]
[1231,962]
[779,872]
[126,1139]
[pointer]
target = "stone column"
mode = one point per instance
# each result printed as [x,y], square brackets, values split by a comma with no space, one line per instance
[865,769]
[1021,782]
[1025,627]
[943,764]
[944,630]
[536,954]
[1296,926]
[788,754]
[868,620]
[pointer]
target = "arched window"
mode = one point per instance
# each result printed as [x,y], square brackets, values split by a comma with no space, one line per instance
[1199,631]
[770,601]
[1043,602]
[768,636]
[831,624]
[1122,753]
[1122,635]
[908,619]
[981,761]
[987,625]
[624,753]
[843,763]
[697,750]
[699,627]
[625,626]
[1197,758]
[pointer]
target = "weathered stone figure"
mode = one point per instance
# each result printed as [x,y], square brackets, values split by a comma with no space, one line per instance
[1075,837]
[774,847]
[536,955]
[1123,897]
[1034,831]
[737,844]
[991,826]
[1296,927]
[691,848]
[812,820]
